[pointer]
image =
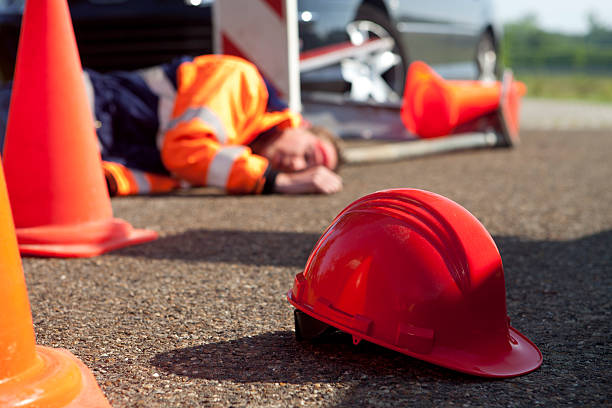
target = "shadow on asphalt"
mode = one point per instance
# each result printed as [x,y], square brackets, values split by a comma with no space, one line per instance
[547,269]
[277,357]
[558,295]
[241,247]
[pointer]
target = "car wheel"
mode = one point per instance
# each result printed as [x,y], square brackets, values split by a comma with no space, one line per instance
[376,75]
[486,58]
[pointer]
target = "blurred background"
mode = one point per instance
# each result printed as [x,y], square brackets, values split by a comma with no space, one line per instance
[561,49]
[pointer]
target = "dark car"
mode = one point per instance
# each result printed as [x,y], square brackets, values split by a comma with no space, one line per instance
[457,37]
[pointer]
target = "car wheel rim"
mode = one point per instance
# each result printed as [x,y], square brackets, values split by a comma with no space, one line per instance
[371,74]
[487,60]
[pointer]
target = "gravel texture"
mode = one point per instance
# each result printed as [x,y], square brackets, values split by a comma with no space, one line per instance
[199,317]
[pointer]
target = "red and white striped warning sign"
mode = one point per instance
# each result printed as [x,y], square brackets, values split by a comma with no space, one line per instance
[266,33]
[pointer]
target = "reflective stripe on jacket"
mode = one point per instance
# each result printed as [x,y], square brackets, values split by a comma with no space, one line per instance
[192,118]
[122,181]
[221,106]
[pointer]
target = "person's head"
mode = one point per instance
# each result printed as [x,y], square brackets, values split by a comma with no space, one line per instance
[297,149]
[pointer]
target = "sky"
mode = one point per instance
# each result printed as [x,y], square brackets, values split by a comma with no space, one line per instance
[557,15]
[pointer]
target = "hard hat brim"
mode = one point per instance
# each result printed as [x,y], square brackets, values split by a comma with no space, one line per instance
[522,356]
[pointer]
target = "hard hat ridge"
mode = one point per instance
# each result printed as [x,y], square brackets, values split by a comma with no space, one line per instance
[423,219]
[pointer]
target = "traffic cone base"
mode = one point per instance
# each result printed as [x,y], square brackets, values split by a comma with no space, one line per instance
[509,108]
[81,240]
[57,379]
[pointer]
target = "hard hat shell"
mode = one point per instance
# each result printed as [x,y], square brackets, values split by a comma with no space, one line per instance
[415,272]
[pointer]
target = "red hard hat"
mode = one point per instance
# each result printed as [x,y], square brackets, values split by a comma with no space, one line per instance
[414,272]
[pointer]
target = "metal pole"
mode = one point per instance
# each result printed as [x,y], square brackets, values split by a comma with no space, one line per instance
[404,150]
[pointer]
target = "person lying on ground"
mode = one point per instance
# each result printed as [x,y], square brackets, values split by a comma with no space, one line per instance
[212,120]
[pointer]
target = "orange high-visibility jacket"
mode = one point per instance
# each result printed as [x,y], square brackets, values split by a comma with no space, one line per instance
[191,122]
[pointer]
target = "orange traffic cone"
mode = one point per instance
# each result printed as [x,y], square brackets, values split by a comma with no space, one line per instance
[30,375]
[510,106]
[53,168]
[433,106]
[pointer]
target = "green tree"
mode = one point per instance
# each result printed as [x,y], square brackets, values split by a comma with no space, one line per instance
[527,46]
[599,33]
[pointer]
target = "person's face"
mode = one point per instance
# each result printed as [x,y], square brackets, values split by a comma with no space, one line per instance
[297,149]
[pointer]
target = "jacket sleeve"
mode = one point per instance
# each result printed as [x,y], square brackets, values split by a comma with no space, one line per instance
[220,107]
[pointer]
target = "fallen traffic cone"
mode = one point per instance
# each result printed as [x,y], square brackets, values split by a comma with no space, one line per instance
[510,106]
[31,375]
[53,168]
[433,106]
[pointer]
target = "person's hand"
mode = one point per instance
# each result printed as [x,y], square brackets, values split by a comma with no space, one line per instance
[317,179]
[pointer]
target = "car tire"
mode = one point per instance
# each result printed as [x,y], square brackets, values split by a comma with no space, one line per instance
[487,60]
[364,73]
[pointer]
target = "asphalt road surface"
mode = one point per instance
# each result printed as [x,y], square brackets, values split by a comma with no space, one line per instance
[199,317]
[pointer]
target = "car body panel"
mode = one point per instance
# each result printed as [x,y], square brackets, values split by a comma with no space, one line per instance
[435,31]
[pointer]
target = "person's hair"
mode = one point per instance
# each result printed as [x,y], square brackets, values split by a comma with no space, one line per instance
[321,132]
[324,133]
